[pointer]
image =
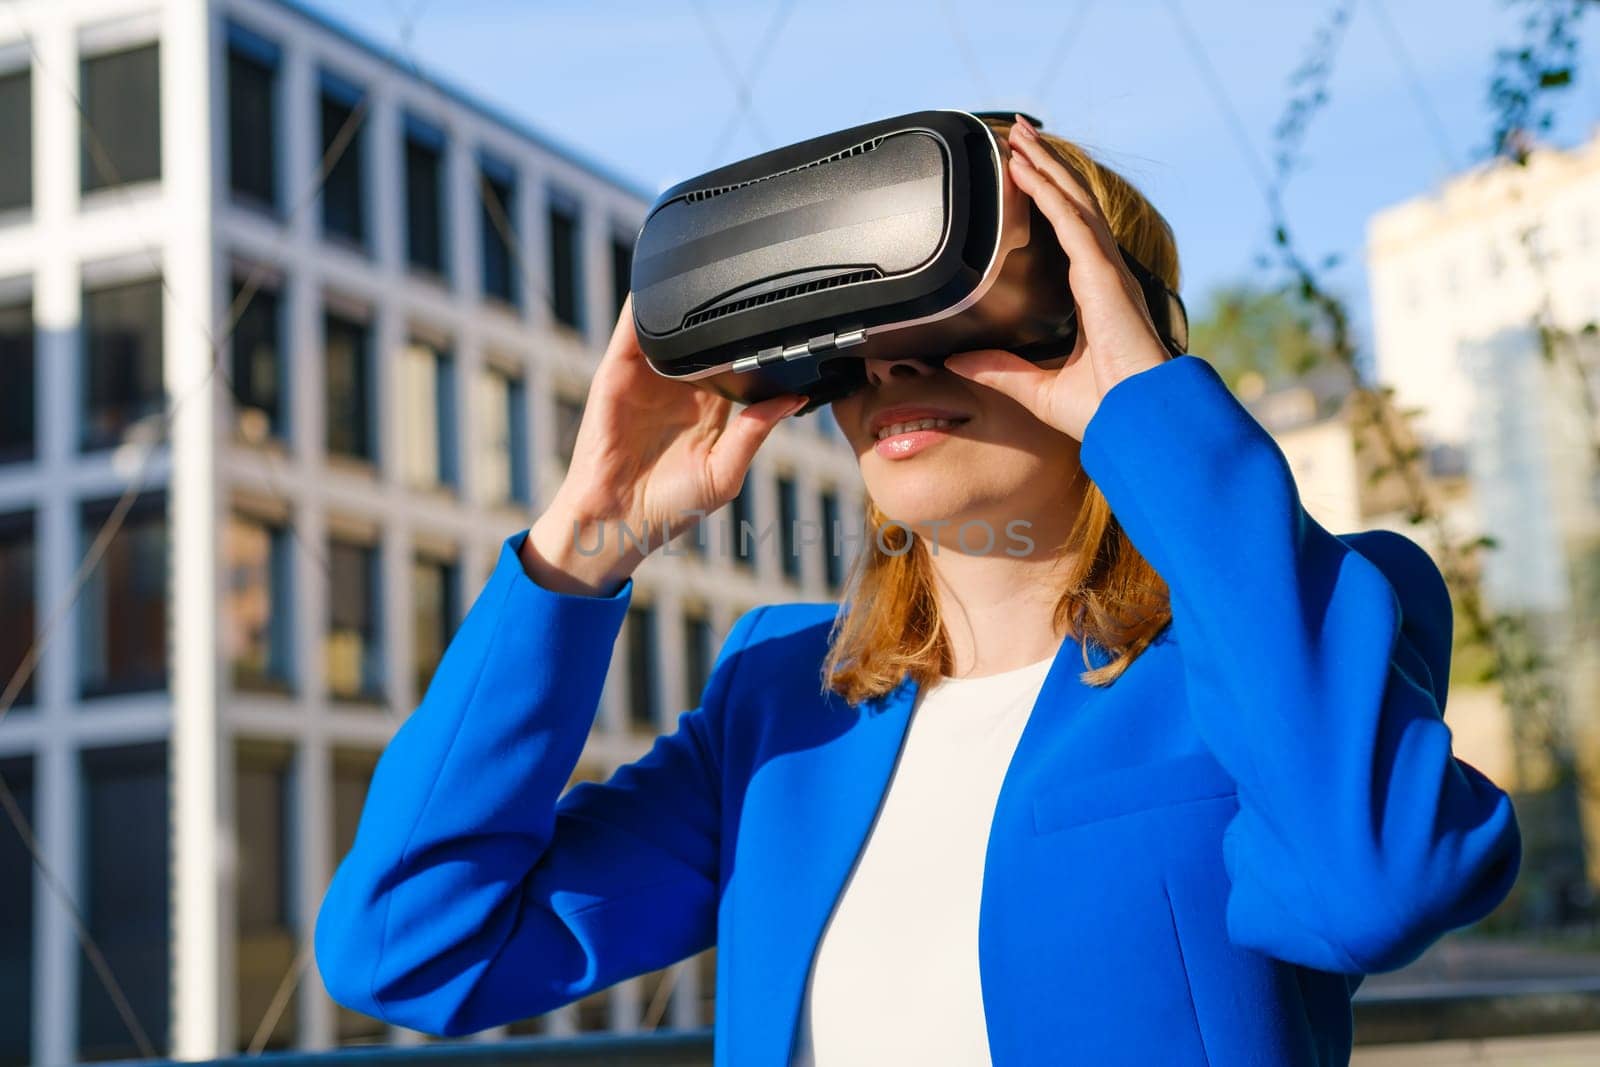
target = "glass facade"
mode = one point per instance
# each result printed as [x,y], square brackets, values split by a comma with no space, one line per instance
[433,592]
[789,527]
[348,397]
[18,373]
[252,119]
[355,639]
[344,200]
[352,774]
[566,268]
[120,136]
[502,434]
[428,390]
[259,382]
[19,561]
[497,231]
[126,826]
[258,607]
[122,338]
[425,191]
[267,940]
[16,140]
[122,612]
[644,670]
[16,921]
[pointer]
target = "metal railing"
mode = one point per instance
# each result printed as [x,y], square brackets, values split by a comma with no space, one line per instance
[1414,1015]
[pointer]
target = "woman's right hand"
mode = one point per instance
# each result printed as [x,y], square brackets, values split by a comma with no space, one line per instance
[650,453]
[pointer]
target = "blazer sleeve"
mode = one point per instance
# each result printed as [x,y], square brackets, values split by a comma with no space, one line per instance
[1316,675]
[472,895]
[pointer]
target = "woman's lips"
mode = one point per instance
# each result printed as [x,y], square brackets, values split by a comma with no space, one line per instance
[916,436]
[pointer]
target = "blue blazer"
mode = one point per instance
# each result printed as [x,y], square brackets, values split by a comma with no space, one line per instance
[1193,865]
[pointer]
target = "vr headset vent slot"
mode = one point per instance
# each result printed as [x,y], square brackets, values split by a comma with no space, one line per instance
[697,195]
[870,274]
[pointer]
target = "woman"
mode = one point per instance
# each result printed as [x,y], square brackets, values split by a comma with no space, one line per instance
[1152,775]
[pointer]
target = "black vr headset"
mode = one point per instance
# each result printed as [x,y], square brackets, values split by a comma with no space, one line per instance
[896,239]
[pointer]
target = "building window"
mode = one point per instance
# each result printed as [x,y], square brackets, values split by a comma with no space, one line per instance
[502,462]
[832,541]
[497,230]
[17,371]
[355,641]
[344,199]
[566,269]
[352,775]
[266,937]
[348,392]
[123,608]
[260,392]
[259,607]
[252,118]
[428,392]
[788,523]
[643,667]
[126,826]
[122,339]
[621,271]
[120,135]
[19,562]
[16,141]
[424,176]
[700,653]
[569,416]
[16,922]
[742,523]
[433,595]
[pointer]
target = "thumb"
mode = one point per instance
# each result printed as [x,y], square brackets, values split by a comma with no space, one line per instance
[736,448]
[1005,372]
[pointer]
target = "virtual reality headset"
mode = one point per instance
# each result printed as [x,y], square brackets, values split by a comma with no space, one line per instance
[896,239]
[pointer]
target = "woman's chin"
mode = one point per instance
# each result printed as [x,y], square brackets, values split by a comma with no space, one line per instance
[929,511]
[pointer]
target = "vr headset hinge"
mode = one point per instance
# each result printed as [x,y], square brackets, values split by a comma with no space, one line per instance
[778,353]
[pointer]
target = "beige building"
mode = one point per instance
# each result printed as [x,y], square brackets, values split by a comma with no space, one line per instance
[1459,276]
[1314,423]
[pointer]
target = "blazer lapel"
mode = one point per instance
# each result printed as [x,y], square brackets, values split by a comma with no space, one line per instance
[824,791]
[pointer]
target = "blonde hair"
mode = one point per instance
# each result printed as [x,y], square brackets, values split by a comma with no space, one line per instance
[1111,600]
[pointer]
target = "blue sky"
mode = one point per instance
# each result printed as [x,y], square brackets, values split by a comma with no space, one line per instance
[647,90]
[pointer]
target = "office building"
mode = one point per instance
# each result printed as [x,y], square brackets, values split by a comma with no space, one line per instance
[410,291]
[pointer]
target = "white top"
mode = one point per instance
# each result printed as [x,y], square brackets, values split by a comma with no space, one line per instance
[895,978]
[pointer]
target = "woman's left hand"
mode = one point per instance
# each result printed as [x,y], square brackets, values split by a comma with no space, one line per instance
[1116,336]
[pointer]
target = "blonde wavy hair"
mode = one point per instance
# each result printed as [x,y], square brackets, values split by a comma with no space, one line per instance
[1111,598]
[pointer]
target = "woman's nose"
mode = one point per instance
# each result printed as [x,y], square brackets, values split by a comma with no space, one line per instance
[881,370]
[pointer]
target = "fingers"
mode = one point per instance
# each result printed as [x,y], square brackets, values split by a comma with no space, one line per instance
[1072,211]
[1061,173]
[624,343]
[1008,373]
[734,451]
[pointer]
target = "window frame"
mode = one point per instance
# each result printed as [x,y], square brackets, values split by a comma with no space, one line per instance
[266,55]
[91,183]
[419,136]
[337,91]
